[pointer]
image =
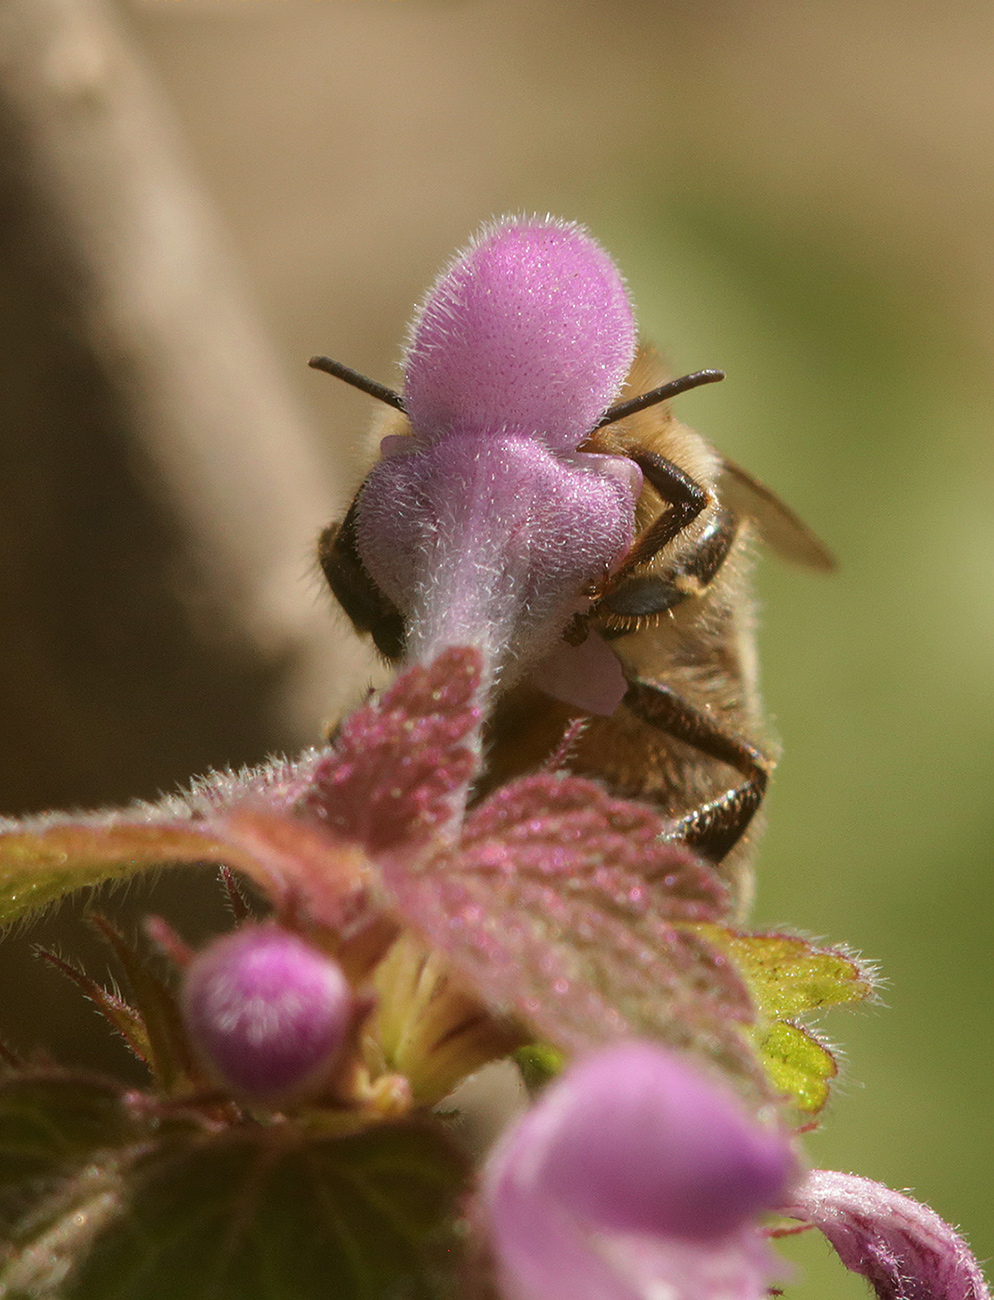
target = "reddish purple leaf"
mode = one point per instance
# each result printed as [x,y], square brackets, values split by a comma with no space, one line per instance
[558,907]
[401,765]
[551,821]
[398,774]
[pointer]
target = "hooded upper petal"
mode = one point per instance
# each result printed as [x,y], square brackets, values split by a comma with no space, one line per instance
[634,1173]
[528,330]
[488,528]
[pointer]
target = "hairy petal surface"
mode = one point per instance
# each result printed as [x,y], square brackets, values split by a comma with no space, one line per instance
[529,329]
[633,1176]
[488,527]
[903,1249]
[490,542]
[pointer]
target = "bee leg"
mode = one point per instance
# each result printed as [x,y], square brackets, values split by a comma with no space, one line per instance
[644,595]
[714,828]
[369,610]
[686,501]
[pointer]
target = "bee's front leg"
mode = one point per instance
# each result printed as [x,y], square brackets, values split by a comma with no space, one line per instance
[625,604]
[686,498]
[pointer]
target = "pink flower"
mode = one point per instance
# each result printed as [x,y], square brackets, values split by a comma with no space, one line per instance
[633,1176]
[902,1248]
[486,524]
[267,1012]
[528,330]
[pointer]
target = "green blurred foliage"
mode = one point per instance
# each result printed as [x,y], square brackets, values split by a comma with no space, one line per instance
[870,415]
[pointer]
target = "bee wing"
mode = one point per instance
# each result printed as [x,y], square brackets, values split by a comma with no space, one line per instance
[778,526]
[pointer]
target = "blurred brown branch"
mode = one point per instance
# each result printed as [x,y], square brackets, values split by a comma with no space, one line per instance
[163,486]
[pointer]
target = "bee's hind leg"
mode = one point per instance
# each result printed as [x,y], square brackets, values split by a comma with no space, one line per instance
[714,828]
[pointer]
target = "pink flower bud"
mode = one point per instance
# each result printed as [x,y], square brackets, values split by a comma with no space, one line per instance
[635,1176]
[903,1249]
[267,1012]
[646,1143]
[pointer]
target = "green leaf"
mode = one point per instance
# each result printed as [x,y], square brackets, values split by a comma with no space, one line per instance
[271,1216]
[42,859]
[787,975]
[51,1125]
[797,1063]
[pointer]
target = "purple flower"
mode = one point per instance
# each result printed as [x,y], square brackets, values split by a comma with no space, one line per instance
[902,1248]
[268,1013]
[529,330]
[487,525]
[631,1174]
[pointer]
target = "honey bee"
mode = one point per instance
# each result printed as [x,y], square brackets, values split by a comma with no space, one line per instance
[689,735]
[677,612]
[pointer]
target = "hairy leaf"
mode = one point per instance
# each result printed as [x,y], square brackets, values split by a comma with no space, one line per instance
[169,1056]
[52,1124]
[401,765]
[264,1216]
[398,772]
[120,1015]
[43,858]
[559,905]
[787,975]
[798,1065]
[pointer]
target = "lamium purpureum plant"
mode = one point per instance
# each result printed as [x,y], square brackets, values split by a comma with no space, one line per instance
[294,1139]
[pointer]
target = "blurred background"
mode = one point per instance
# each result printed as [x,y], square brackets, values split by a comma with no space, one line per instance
[199,194]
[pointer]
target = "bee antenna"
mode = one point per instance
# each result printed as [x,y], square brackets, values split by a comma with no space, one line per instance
[353,377]
[673,389]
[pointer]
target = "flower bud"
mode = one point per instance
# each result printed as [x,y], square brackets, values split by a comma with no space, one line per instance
[268,1013]
[646,1143]
[634,1176]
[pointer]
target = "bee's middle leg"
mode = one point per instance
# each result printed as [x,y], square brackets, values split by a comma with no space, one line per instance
[714,828]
